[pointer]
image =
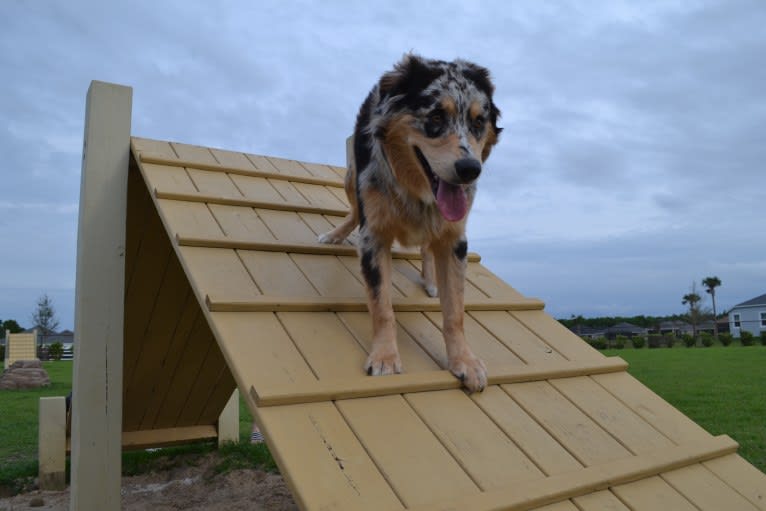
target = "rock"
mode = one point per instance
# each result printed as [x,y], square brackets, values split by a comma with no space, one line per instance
[36,502]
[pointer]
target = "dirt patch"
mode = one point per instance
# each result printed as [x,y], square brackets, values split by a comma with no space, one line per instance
[195,487]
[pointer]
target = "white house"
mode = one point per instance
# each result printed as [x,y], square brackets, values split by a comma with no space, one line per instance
[749,316]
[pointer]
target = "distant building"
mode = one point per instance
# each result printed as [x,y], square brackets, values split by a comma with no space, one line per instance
[626,329]
[749,316]
[587,332]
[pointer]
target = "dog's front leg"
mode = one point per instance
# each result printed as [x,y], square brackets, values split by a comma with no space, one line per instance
[450,276]
[376,268]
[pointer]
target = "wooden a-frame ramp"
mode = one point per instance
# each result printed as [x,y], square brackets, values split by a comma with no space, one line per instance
[225,285]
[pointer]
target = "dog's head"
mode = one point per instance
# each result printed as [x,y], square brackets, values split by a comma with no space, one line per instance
[437,124]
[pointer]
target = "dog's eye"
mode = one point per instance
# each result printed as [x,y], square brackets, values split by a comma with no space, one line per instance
[435,123]
[478,123]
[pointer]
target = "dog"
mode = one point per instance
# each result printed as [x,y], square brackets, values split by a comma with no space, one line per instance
[420,140]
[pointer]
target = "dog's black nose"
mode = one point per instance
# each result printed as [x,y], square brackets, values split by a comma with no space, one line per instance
[467,169]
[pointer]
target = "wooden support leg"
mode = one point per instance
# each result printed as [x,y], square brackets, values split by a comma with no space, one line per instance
[228,421]
[51,442]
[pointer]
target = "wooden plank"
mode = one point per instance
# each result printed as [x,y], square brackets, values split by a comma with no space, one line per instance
[326,283]
[526,345]
[321,170]
[139,207]
[232,159]
[99,299]
[558,506]
[355,387]
[482,449]
[484,345]
[264,169]
[213,183]
[236,222]
[193,154]
[51,443]
[216,271]
[742,476]
[161,383]
[705,490]
[160,148]
[651,494]
[238,200]
[652,408]
[621,422]
[489,283]
[537,443]
[532,494]
[223,387]
[287,190]
[154,343]
[320,196]
[259,351]
[582,437]
[330,277]
[325,343]
[322,460]
[556,335]
[192,217]
[166,436]
[287,226]
[411,354]
[291,167]
[228,421]
[276,274]
[600,501]
[256,188]
[411,459]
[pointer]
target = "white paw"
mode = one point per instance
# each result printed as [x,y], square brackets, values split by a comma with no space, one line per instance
[328,239]
[431,290]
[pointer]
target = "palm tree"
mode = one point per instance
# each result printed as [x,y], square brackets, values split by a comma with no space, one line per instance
[692,300]
[710,284]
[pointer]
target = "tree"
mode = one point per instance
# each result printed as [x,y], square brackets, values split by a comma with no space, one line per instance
[710,284]
[692,300]
[56,350]
[11,325]
[44,317]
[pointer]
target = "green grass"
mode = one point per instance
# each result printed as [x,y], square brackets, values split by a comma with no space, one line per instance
[721,389]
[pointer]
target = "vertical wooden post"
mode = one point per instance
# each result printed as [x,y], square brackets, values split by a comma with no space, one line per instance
[7,349]
[228,421]
[99,300]
[51,443]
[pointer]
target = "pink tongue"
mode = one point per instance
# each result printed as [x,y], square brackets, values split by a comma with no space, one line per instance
[451,201]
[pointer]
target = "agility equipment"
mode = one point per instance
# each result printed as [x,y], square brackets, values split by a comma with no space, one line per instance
[199,272]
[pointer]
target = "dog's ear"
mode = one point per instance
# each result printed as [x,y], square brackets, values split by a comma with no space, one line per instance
[410,76]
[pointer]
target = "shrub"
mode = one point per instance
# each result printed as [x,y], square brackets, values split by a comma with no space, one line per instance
[655,340]
[599,343]
[2,351]
[707,339]
[763,338]
[55,350]
[637,341]
[746,338]
[725,339]
[689,340]
[620,341]
[670,340]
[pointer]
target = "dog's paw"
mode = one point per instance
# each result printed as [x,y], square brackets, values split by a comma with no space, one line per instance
[329,238]
[431,289]
[471,371]
[382,362]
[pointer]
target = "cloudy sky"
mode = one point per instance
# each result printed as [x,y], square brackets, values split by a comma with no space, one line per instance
[632,162]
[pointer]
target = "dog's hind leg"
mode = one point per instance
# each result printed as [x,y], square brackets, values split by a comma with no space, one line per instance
[450,276]
[341,232]
[427,271]
[376,268]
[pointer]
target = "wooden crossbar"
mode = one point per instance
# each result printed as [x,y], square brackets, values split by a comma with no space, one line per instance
[294,248]
[242,171]
[366,386]
[268,303]
[242,201]
[534,494]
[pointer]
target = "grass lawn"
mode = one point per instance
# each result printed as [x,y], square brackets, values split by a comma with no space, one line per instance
[721,389]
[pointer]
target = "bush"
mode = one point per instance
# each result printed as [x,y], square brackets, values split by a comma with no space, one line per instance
[55,350]
[2,351]
[670,340]
[689,340]
[620,341]
[707,340]
[599,343]
[763,338]
[725,339]
[746,338]
[655,340]
[637,341]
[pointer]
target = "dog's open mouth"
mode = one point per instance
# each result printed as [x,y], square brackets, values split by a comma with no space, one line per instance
[450,199]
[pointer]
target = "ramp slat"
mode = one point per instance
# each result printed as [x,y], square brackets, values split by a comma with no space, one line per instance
[651,494]
[239,200]
[331,389]
[705,490]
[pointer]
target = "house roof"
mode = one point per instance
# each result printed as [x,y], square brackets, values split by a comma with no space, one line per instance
[226,283]
[758,300]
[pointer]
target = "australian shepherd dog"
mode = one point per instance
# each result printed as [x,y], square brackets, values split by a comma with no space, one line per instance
[420,140]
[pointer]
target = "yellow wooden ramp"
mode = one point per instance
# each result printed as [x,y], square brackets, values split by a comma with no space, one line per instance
[224,272]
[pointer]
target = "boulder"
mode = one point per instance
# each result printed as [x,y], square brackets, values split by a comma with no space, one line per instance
[24,374]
